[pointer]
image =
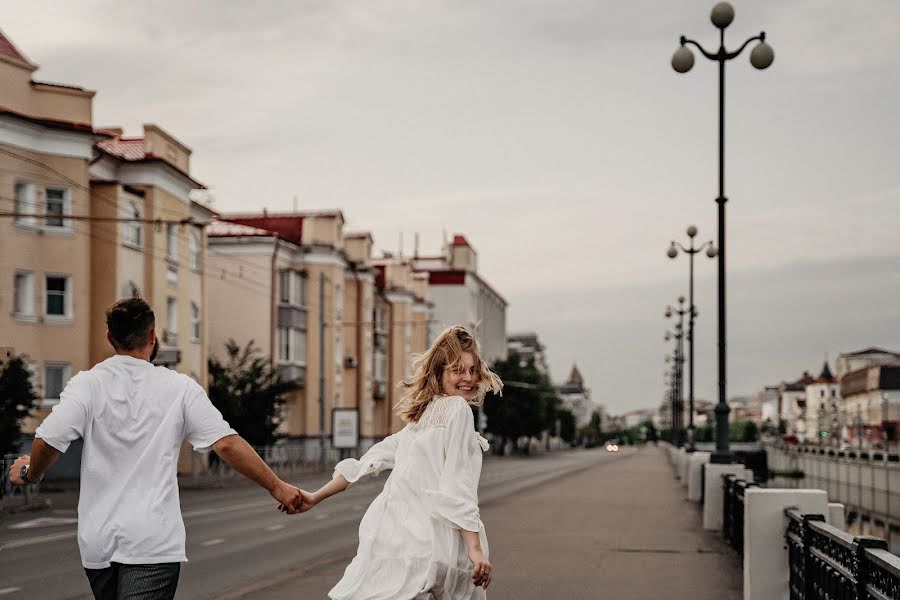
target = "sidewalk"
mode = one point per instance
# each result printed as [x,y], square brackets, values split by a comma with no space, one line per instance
[619,531]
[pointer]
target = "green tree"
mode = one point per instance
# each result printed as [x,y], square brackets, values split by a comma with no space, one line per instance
[567,426]
[528,405]
[249,392]
[17,396]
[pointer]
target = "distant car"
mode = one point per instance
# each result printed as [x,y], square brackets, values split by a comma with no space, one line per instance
[612,447]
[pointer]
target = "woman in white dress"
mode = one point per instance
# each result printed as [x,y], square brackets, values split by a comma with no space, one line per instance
[422,537]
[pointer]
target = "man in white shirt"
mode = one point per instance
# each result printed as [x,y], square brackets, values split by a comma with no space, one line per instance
[133,418]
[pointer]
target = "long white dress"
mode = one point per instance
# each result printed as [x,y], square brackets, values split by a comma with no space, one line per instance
[410,547]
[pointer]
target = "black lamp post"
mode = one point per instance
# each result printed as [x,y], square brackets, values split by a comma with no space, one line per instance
[678,370]
[682,60]
[691,250]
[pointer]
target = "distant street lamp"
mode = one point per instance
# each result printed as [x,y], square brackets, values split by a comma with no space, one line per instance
[678,336]
[761,57]
[691,250]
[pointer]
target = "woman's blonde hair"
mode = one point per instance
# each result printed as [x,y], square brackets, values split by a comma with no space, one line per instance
[445,353]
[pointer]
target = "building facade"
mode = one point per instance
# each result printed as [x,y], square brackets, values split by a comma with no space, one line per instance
[871,404]
[461,296]
[528,347]
[824,418]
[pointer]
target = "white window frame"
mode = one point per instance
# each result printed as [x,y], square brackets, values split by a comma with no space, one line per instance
[66,375]
[291,346]
[172,242]
[291,288]
[25,203]
[23,299]
[172,275]
[133,231]
[68,311]
[170,335]
[66,224]
[195,323]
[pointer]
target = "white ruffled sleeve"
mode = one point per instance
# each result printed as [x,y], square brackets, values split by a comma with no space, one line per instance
[377,459]
[455,501]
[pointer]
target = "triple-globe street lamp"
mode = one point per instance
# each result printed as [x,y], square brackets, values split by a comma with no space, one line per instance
[691,250]
[761,57]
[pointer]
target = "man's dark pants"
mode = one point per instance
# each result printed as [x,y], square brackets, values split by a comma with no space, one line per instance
[134,582]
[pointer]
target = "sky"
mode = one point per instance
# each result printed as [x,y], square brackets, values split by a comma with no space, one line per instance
[557,138]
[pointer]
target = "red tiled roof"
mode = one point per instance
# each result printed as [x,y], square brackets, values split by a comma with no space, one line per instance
[460,240]
[125,148]
[7,48]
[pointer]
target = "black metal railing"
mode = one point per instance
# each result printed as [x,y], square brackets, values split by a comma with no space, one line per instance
[734,488]
[829,564]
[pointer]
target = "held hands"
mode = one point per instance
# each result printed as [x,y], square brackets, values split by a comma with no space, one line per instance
[482,571]
[17,465]
[293,500]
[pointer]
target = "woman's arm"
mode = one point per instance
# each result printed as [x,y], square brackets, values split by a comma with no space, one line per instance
[482,571]
[335,486]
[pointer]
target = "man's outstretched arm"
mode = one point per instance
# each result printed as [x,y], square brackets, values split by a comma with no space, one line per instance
[241,457]
[43,455]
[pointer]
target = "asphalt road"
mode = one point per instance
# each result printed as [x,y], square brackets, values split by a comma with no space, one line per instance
[238,544]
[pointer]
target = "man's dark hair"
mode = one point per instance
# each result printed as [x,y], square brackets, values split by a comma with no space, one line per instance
[129,322]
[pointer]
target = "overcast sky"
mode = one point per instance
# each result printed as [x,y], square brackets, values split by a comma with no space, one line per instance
[558,139]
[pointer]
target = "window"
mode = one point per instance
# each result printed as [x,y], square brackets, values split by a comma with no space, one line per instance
[56,204]
[338,353]
[291,345]
[58,296]
[195,322]
[56,375]
[25,203]
[172,242]
[338,301]
[291,288]
[23,284]
[194,248]
[380,365]
[171,334]
[172,275]
[133,231]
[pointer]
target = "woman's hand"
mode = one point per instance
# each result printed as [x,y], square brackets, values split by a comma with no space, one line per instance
[482,571]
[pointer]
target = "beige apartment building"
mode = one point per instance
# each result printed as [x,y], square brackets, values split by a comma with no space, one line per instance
[46,145]
[275,270]
[159,253]
[63,259]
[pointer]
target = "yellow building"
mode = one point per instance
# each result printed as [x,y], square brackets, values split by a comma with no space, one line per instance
[73,238]
[46,145]
[148,179]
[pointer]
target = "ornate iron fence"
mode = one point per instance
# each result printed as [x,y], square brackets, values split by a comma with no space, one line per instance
[829,564]
[733,489]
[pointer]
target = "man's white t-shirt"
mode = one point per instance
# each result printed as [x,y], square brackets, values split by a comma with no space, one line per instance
[133,418]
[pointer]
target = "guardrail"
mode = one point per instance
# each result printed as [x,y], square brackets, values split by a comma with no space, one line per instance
[829,564]
[733,489]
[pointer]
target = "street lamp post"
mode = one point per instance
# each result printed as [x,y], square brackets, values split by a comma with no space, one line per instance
[678,369]
[691,250]
[761,57]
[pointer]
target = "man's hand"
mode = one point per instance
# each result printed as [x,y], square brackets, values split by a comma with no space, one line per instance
[307,501]
[20,462]
[288,497]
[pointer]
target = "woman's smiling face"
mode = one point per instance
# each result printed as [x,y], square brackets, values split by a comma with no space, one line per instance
[462,380]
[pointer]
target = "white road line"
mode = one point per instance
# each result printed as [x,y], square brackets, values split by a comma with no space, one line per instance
[9,590]
[38,540]
[274,527]
[321,517]
[212,511]
[43,522]
[213,542]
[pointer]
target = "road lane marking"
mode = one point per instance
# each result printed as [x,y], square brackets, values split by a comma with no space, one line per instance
[38,540]
[43,522]
[274,527]
[9,591]
[212,511]
[321,517]
[213,542]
